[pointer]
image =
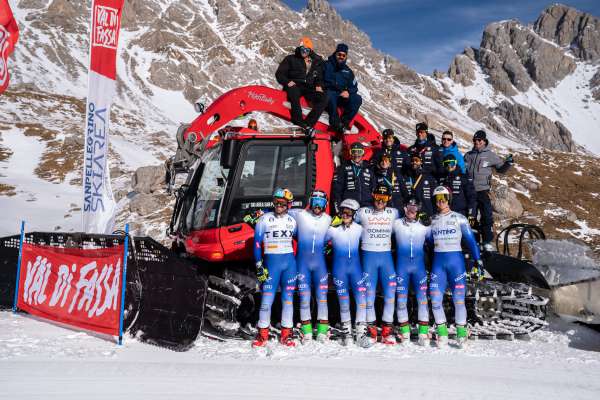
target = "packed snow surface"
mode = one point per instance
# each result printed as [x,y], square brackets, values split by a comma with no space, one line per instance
[40,360]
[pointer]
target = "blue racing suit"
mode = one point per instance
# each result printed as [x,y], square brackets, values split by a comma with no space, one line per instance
[310,261]
[347,272]
[447,231]
[275,234]
[410,267]
[377,260]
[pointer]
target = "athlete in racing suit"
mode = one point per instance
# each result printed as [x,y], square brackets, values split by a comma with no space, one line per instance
[347,272]
[448,228]
[310,261]
[410,237]
[274,232]
[377,260]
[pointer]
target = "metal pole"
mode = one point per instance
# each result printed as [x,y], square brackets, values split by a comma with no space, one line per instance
[19,266]
[124,282]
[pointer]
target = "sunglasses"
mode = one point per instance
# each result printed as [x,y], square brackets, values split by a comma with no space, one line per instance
[280,203]
[347,214]
[381,197]
[441,198]
[304,49]
[446,139]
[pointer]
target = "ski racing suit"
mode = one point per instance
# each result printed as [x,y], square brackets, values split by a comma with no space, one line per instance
[275,234]
[410,267]
[377,260]
[310,261]
[347,271]
[447,231]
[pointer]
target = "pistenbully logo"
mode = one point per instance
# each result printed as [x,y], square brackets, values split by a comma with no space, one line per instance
[260,97]
[105,29]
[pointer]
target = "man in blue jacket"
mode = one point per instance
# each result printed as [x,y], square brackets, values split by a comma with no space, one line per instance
[341,88]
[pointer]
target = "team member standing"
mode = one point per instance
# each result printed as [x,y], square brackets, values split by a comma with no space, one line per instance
[481,160]
[353,179]
[426,148]
[390,145]
[377,260]
[420,184]
[274,232]
[310,260]
[410,237]
[463,193]
[449,147]
[448,228]
[347,272]
[385,174]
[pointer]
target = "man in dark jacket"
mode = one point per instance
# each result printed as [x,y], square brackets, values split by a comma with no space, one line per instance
[463,192]
[429,152]
[301,74]
[391,146]
[342,90]
[420,184]
[353,179]
[386,175]
[481,162]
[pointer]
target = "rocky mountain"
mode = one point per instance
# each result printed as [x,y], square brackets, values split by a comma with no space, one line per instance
[535,88]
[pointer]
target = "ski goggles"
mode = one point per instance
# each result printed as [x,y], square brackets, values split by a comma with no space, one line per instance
[304,50]
[357,152]
[320,202]
[283,194]
[441,197]
[280,203]
[450,163]
[381,197]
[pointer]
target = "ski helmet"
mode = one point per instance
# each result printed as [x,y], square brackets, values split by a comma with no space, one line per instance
[318,198]
[283,193]
[350,204]
[442,192]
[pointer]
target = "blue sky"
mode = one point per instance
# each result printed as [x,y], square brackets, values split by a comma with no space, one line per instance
[426,34]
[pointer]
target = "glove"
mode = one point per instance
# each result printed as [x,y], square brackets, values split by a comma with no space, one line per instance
[424,218]
[336,221]
[262,273]
[477,271]
[327,249]
[509,159]
[472,221]
[253,218]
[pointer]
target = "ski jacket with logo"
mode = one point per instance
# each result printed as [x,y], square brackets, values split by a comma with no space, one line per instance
[400,157]
[480,165]
[377,228]
[352,181]
[421,185]
[275,234]
[293,68]
[464,199]
[447,231]
[338,76]
[430,154]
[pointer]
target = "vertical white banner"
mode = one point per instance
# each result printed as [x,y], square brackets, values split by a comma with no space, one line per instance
[99,205]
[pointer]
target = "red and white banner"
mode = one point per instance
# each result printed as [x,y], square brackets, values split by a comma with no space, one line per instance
[73,286]
[9,34]
[99,205]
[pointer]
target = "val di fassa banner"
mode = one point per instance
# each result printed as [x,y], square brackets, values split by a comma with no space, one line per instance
[79,287]
[98,202]
[9,34]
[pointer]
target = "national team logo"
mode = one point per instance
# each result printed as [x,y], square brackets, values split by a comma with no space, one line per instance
[105,28]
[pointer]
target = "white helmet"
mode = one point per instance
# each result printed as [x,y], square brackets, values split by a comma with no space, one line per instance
[350,204]
[442,191]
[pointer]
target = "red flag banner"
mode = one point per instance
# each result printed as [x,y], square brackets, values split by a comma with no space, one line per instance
[9,34]
[78,287]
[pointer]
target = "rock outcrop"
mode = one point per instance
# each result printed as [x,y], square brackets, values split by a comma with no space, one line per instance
[462,68]
[148,179]
[505,202]
[552,135]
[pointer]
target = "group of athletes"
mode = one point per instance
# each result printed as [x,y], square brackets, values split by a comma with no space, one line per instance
[361,243]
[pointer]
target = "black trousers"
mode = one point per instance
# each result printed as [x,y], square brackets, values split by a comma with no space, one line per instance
[486,219]
[318,101]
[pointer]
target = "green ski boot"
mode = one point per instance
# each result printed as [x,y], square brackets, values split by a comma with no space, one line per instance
[462,335]
[424,337]
[322,332]
[404,334]
[306,332]
[442,336]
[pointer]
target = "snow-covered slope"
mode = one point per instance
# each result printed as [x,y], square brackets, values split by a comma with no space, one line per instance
[38,360]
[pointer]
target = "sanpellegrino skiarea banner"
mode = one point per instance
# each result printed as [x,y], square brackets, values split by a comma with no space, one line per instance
[79,287]
[9,34]
[98,202]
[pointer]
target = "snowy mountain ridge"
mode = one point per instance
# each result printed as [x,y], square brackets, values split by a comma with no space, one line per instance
[175,52]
